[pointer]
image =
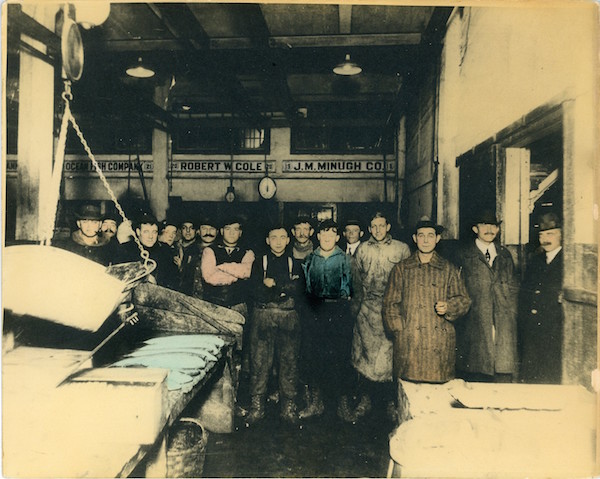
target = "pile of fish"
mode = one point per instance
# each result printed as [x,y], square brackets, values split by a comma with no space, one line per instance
[187,357]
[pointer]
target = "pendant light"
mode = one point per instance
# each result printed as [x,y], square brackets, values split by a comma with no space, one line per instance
[139,70]
[347,68]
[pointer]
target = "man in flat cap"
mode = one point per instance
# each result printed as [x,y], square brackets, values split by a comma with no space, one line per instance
[425,294]
[86,240]
[486,337]
[541,316]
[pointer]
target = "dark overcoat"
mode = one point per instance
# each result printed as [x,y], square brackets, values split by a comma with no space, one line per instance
[541,321]
[487,335]
[424,342]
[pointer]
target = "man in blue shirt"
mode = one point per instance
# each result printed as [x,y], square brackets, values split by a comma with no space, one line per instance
[328,285]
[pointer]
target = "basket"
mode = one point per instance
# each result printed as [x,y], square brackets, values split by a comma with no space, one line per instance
[186,448]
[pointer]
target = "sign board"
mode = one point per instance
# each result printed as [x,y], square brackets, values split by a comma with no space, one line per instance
[183,167]
[337,166]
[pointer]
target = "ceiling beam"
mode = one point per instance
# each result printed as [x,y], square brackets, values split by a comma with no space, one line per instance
[353,40]
[245,43]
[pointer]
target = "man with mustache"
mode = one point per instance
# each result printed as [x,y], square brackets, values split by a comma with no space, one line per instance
[207,232]
[110,222]
[302,231]
[541,315]
[486,338]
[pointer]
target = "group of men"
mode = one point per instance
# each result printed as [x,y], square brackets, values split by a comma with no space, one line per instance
[343,325]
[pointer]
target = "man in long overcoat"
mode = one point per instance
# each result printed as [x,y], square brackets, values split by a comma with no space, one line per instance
[487,334]
[541,315]
[424,296]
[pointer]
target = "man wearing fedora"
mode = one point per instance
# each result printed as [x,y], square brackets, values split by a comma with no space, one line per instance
[86,240]
[486,336]
[425,294]
[541,316]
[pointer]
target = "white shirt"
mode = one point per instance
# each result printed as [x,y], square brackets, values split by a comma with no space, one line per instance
[491,248]
[351,248]
[550,255]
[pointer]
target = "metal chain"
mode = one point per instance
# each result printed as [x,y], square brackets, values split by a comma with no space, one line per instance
[149,264]
[49,209]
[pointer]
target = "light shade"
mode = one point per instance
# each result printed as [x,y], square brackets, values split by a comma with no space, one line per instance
[139,71]
[90,14]
[347,68]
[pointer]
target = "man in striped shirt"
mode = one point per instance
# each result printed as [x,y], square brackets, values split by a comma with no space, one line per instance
[424,296]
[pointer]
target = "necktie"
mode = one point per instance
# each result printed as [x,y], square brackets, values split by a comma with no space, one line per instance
[487,256]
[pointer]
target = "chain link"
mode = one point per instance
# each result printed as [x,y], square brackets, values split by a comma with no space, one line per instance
[149,264]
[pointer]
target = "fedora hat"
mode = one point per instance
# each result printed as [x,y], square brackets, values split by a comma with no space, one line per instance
[486,217]
[88,212]
[549,221]
[425,222]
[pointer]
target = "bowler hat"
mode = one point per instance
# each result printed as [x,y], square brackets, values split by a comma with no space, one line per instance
[486,217]
[425,222]
[549,221]
[353,222]
[88,212]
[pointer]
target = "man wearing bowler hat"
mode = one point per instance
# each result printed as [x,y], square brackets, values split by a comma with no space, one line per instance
[541,316]
[425,294]
[486,337]
[87,241]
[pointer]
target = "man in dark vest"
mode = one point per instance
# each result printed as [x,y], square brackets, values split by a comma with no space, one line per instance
[226,269]
[540,321]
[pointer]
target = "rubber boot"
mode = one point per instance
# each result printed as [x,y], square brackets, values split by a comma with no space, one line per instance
[316,406]
[344,411]
[257,410]
[288,411]
[364,406]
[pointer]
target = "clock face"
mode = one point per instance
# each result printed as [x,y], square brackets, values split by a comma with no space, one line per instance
[267,188]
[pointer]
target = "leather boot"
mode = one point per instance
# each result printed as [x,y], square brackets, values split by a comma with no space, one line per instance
[257,410]
[288,411]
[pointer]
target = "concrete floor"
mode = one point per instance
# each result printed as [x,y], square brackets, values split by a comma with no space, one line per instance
[322,447]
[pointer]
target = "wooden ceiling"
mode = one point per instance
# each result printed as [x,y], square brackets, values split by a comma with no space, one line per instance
[258,63]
